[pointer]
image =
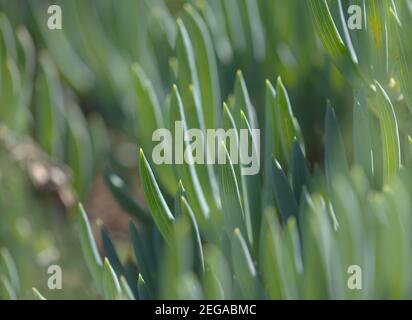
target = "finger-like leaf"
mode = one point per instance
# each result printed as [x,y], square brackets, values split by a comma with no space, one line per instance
[111,284]
[7,39]
[330,37]
[335,155]
[362,143]
[89,247]
[391,151]
[272,144]
[37,295]
[287,126]
[186,171]
[187,211]
[300,171]
[142,255]
[230,195]
[206,66]
[250,183]
[127,292]
[156,203]
[79,149]
[110,252]
[244,268]
[285,199]
[270,263]
[144,293]
[149,118]
[404,58]
[49,107]
[243,102]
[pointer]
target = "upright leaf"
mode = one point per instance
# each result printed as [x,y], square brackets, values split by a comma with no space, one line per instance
[156,203]
[89,247]
[285,198]
[300,171]
[206,66]
[111,284]
[230,195]
[335,155]
[391,151]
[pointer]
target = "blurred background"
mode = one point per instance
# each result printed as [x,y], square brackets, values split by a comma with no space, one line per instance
[68,115]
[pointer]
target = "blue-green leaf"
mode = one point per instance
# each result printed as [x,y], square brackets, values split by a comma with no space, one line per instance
[285,199]
[111,284]
[156,203]
[89,247]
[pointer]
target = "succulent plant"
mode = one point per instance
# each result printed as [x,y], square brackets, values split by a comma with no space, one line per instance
[316,213]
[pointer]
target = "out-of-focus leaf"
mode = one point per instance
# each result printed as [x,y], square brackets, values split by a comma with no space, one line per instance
[148,113]
[272,145]
[7,291]
[250,183]
[391,153]
[230,127]
[330,37]
[125,199]
[254,28]
[8,268]
[144,293]
[8,43]
[127,292]
[76,71]
[335,155]
[404,58]
[230,195]
[269,261]
[213,15]
[207,177]
[89,247]
[185,168]
[217,277]
[110,252]
[189,287]
[187,211]
[410,148]
[188,73]
[144,263]
[362,143]
[300,171]
[287,126]
[149,118]
[285,199]
[234,24]
[37,295]
[293,264]
[206,66]
[79,149]
[242,102]
[244,268]
[99,137]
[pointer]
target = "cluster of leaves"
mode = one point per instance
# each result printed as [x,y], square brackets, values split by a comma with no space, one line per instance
[209,231]
[34,102]
[291,232]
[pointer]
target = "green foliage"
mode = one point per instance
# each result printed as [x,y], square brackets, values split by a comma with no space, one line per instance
[208,231]
[300,243]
